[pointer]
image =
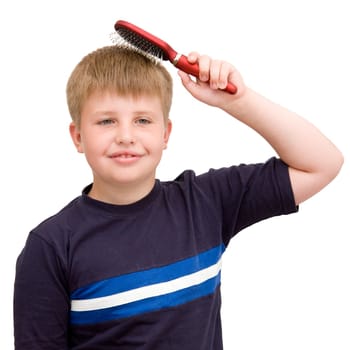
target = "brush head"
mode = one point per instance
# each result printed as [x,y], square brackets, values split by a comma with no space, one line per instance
[153,55]
[129,35]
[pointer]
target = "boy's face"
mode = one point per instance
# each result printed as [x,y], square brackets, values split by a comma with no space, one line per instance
[123,139]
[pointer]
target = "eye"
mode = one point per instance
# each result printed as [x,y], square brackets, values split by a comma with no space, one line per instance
[143,121]
[106,122]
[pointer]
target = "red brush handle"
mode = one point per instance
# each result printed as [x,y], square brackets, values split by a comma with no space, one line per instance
[193,69]
[179,61]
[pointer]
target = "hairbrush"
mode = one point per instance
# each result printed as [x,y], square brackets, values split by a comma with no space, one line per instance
[155,48]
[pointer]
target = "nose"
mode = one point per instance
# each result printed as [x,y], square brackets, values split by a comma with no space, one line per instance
[124,134]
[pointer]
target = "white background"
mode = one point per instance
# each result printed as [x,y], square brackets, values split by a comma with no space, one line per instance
[286,281]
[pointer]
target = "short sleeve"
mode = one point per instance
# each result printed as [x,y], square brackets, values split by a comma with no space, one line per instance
[41,301]
[247,194]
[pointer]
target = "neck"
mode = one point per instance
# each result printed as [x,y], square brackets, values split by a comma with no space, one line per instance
[123,194]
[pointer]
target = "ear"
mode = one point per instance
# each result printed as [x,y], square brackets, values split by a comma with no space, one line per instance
[76,137]
[167,132]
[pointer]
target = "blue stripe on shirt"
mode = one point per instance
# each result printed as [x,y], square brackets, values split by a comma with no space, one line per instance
[197,266]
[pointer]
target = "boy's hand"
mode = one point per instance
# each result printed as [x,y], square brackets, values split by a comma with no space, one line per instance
[214,75]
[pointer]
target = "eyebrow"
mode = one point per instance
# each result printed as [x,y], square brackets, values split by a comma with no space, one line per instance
[114,113]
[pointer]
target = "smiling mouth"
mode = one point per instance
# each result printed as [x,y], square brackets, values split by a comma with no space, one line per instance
[125,156]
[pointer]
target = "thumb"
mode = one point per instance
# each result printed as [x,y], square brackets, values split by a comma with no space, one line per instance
[186,80]
[193,87]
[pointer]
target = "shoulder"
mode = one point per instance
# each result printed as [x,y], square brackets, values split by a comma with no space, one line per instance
[59,224]
[239,175]
[230,184]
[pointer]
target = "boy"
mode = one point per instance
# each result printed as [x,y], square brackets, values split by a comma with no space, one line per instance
[134,263]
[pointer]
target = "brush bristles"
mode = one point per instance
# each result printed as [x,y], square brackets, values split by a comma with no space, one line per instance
[137,44]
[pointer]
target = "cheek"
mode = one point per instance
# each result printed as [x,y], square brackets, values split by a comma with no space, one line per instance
[94,145]
[156,143]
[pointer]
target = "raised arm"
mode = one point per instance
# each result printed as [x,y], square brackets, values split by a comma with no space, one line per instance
[313,160]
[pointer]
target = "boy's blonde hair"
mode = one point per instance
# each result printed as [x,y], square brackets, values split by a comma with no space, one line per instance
[120,70]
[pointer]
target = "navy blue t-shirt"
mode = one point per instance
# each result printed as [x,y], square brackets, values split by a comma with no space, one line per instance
[145,275]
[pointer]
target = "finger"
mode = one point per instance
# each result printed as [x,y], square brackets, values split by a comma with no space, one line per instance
[215,72]
[226,71]
[186,80]
[204,68]
[195,88]
[193,57]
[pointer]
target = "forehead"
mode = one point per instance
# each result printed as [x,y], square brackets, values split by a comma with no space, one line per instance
[114,102]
